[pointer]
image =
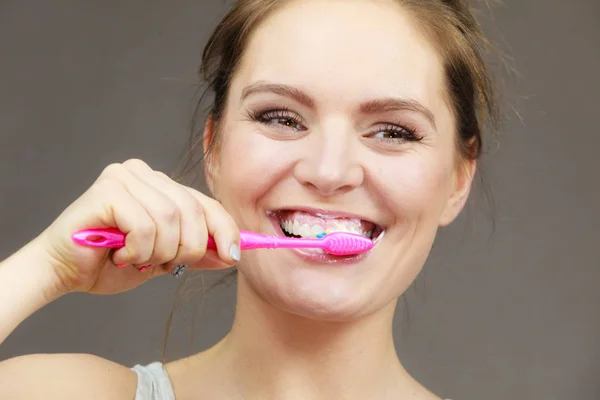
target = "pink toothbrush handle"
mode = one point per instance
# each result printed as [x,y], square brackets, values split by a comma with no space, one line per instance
[112,238]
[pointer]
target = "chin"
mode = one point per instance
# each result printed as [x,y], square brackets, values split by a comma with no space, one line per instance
[314,293]
[322,307]
[326,312]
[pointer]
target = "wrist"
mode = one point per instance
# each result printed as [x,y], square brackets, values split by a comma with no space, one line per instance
[31,269]
[27,283]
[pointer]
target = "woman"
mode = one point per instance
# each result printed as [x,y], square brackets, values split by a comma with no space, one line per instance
[362,115]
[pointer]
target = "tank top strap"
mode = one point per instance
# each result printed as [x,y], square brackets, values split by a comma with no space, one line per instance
[153,382]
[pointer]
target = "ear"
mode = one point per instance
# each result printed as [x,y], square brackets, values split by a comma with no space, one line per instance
[462,183]
[210,148]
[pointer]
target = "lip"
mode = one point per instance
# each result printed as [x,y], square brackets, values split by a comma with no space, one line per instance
[312,256]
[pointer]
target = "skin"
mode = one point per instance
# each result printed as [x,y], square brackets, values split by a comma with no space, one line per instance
[302,330]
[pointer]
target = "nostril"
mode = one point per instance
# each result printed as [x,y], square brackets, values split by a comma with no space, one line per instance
[328,187]
[328,177]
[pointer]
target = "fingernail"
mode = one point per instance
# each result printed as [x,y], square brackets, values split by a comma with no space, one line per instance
[122,265]
[234,252]
[145,267]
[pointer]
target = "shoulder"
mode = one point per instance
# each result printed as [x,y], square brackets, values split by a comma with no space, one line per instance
[65,377]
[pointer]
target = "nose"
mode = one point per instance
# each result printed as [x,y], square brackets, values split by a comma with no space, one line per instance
[330,165]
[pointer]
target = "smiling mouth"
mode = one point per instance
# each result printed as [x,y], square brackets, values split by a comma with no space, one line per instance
[308,224]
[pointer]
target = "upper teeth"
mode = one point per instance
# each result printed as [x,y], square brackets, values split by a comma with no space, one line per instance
[312,231]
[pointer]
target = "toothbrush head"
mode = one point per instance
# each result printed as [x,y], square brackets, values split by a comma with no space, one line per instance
[346,244]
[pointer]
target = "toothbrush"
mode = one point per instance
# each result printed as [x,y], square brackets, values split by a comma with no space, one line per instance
[335,243]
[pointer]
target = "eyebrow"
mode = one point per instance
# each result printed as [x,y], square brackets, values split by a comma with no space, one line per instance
[282,90]
[395,104]
[378,106]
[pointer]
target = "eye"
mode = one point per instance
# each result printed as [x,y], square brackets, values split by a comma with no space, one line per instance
[280,118]
[394,133]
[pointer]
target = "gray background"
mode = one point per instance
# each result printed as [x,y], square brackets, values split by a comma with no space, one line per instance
[509,314]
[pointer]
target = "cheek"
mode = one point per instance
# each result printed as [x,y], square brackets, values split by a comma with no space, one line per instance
[415,183]
[250,164]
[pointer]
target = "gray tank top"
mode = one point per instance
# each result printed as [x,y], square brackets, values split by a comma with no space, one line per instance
[153,383]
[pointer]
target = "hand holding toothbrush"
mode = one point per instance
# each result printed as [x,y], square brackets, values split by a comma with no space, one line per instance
[167,224]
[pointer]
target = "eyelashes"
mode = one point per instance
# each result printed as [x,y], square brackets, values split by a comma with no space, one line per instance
[396,132]
[279,118]
[283,118]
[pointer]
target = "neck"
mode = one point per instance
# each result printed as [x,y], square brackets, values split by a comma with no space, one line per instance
[270,353]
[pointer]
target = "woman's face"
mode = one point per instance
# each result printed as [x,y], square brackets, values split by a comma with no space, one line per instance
[337,119]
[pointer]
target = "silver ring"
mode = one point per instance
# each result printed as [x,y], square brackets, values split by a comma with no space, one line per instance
[179,270]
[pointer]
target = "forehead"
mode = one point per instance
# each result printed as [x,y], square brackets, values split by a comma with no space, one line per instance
[345,49]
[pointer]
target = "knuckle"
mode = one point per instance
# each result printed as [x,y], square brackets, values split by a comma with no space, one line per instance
[191,253]
[163,257]
[168,213]
[198,208]
[190,205]
[145,230]
[111,170]
[105,187]
[135,255]
[135,163]
[162,175]
[165,252]
[213,203]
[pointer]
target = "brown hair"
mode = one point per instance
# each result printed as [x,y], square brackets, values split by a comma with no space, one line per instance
[450,24]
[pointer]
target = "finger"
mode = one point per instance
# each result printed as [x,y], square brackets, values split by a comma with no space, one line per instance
[124,212]
[218,222]
[193,228]
[221,227]
[163,211]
